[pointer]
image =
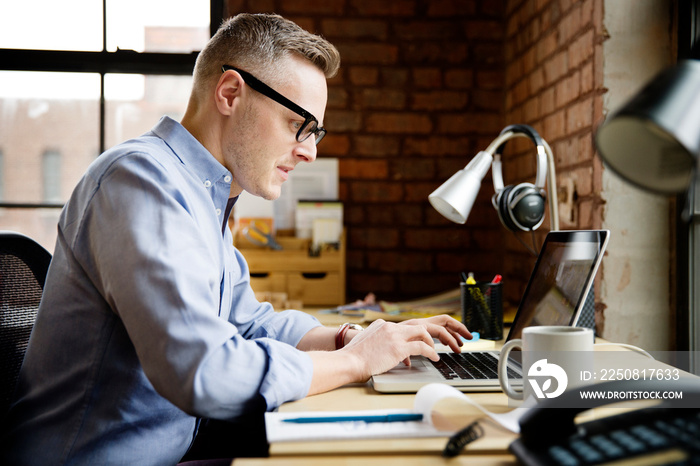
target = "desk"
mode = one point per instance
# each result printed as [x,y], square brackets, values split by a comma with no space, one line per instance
[490,449]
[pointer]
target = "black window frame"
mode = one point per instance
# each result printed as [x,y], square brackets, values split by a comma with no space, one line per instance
[102,63]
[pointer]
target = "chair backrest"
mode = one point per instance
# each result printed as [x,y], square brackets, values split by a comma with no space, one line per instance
[23,267]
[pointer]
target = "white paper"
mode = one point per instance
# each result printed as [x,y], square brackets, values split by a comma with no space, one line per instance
[432,393]
[279,431]
[424,403]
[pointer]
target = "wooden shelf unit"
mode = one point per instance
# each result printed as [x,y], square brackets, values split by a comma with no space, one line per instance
[310,280]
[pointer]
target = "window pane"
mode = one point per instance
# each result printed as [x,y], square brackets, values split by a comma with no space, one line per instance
[157,25]
[42,113]
[135,103]
[51,171]
[51,25]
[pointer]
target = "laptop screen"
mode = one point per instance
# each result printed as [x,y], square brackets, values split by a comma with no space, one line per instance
[561,279]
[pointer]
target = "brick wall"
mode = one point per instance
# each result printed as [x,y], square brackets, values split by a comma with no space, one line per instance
[553,73]
[420,91]
[424,85]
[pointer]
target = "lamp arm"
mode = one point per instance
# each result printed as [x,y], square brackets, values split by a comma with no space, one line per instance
[552,197]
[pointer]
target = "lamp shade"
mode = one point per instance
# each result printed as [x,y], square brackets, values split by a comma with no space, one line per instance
[654,139]
[455,197]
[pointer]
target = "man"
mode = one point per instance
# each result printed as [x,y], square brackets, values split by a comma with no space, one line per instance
[148,322]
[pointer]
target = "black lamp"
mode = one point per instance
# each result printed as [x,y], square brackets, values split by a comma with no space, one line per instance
[653,141]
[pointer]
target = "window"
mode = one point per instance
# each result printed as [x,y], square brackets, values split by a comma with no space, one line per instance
[2,176]
[79,78]
[51,175]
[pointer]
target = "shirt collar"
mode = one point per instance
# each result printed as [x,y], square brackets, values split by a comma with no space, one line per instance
[189,150]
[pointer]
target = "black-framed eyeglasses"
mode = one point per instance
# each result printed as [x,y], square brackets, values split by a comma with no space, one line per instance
[310,125]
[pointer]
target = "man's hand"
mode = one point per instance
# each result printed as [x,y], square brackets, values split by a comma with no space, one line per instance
[384,344]
[380,347]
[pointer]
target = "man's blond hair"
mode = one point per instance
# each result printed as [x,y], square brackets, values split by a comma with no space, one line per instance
[259,43]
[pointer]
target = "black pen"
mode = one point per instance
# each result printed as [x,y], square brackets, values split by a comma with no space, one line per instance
[465,436]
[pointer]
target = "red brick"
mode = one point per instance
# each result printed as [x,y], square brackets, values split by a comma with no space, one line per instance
[421,53]
[547,101]
[556,67]
[579,116]
[334,145]
[536,81]
[487,54]
[364,53]
[440,100]
[531,109]
[484,30]
[373,238]
[394,77]
[341,121]
[486,100]
[316,6]
[568,89]
[337,97]
[406,123]
[570,25]
[400,262]
[372,191]
[365,282]
[354,214]
[381,98]
[581,49]
[436,146]
[555,126]
[427,30]
[470,123]
[364,75]
[375,145]
[464,79]
[354,29]
[546,47]
[452,8]
[427,77]
[435,239]
[413,169]
[363,169]
[374,8]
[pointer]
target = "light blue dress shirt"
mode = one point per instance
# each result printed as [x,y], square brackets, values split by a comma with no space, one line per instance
[148,319]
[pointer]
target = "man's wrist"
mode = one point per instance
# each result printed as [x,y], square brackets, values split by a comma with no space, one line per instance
[346,330]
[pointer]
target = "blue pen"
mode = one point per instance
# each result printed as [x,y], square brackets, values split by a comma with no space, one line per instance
[376,418]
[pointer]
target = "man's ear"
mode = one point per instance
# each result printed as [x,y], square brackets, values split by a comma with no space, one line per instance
[227,90]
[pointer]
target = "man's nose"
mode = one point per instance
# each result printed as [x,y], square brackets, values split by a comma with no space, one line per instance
[306,150]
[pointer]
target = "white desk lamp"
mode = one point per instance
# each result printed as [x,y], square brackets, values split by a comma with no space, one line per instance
[455,198]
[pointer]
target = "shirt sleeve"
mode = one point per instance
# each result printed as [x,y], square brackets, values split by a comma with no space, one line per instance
[153,244]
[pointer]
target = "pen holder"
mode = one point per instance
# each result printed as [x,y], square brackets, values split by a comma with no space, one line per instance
[482,309]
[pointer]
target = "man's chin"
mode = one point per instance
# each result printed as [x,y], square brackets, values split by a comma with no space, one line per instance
[269,195]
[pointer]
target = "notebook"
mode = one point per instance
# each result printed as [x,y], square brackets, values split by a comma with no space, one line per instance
[555,295]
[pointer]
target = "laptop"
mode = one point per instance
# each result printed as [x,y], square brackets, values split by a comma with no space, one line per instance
[555,295]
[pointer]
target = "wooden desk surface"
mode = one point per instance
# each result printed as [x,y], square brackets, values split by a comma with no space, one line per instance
[491,449]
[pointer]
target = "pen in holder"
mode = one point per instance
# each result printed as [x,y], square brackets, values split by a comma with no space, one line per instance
[482,309]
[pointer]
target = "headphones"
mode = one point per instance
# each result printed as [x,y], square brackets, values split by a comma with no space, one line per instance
[520,207]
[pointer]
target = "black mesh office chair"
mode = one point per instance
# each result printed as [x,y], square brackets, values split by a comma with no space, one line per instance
[23,267]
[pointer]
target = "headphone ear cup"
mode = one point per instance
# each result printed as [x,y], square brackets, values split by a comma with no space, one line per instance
[503,210]
[525,206]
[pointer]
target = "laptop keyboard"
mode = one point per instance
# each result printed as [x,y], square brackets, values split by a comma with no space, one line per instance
[470,365]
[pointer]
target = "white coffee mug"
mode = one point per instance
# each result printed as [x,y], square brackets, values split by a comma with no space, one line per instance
[553,359]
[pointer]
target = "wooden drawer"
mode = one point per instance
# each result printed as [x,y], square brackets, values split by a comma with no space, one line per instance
[316,288]
[268,281]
